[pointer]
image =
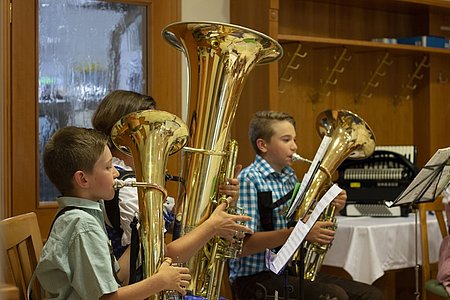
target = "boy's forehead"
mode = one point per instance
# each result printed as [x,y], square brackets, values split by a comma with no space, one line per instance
[105,156]
[283,128]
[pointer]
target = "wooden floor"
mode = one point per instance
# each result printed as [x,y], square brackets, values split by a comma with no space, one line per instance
[395,284]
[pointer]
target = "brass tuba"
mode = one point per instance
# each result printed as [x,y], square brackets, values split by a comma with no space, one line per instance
[150,136]
[219,58]
[351,137]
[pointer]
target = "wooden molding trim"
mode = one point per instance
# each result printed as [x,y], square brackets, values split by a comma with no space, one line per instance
[5,117]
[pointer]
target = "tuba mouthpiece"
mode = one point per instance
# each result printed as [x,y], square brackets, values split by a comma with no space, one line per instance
[118,184]
[296,157]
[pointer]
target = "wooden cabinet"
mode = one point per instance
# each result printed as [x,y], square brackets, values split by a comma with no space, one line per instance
[330,61]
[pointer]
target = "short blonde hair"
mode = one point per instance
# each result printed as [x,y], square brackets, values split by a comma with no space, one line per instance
[261,125]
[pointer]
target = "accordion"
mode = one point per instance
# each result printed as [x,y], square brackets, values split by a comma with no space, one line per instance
[379,178]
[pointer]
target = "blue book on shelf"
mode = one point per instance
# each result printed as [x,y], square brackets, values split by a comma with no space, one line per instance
[425,41]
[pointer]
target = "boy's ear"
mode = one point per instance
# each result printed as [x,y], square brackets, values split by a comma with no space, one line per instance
[262,145]
[80,179]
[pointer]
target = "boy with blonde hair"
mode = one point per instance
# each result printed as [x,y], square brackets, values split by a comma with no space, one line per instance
[265,188]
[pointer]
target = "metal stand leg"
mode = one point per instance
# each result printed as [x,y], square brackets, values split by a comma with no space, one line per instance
[417,266]
[301,277]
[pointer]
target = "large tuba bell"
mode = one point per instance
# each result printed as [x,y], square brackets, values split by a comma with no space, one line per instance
[150,136]
[351,137]
[219,58]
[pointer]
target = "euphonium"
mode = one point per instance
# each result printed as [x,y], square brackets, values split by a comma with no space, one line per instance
[150,136]
[351,137]
[219,58]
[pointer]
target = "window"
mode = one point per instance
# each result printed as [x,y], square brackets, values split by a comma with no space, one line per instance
[86,49]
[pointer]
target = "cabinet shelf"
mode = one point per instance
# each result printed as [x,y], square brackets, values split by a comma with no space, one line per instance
[359,45]
[430,3]
[405,84]
[392,5]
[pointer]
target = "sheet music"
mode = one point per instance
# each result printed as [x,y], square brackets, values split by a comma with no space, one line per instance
[276,262]
[306,182]
[430,182]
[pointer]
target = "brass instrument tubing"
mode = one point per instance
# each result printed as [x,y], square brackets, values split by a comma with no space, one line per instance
[204,151]
[118,184]
[296,157]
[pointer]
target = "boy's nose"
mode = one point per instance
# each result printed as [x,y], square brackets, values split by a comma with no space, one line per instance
[294,146]
[115,173]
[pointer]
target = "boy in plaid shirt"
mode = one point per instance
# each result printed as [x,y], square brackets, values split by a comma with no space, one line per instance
[265,187]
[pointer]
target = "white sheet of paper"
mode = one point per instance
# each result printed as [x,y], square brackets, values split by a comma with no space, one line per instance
[317,160]
[276,262]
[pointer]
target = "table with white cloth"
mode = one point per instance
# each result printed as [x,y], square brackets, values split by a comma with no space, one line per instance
[367,247]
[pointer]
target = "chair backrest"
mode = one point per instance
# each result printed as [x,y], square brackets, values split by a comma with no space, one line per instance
[438,208]
[22,242]
[9,292]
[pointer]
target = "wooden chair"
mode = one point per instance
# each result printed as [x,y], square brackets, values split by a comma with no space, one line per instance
[9,292]
[429,271]
[22,244]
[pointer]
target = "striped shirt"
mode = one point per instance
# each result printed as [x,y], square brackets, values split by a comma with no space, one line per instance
[261,177]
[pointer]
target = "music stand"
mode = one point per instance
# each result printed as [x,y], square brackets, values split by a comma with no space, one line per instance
[428,184]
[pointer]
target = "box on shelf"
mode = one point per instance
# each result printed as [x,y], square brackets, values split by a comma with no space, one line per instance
[425,41]
[385,40]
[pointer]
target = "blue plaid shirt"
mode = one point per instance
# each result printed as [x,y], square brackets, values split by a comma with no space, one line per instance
[261,177]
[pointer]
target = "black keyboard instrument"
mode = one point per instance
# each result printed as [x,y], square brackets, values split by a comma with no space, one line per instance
[374,180]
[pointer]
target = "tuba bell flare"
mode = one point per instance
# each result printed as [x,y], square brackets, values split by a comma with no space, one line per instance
[219,57]
[150,136]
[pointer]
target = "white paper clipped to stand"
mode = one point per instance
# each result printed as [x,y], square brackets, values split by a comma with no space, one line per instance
[276,262]
[307,178]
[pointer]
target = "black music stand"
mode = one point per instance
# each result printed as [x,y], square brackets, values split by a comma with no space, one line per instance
[428,184]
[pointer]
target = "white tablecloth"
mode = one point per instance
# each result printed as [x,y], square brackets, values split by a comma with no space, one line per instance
[366,247]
